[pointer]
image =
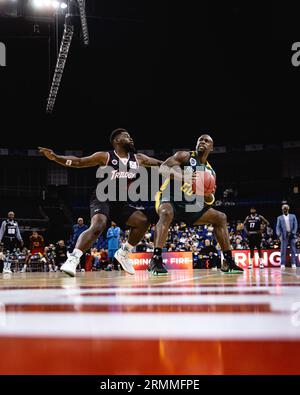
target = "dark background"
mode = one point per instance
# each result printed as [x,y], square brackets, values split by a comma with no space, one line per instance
[165,72]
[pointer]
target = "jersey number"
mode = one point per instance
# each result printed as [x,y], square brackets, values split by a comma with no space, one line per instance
[187,188]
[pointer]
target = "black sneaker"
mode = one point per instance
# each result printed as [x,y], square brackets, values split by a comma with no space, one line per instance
[230,267]
[156,267]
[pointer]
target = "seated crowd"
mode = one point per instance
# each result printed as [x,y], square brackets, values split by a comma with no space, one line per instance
[199,240]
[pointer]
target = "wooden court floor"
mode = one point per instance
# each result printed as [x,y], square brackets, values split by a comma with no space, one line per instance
[189,322]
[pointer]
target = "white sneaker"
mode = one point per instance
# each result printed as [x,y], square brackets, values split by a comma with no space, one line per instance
[282,267]
[23,271]
[214,268]
[261,266]
[250,266]
[69,267]
[7,271]
[122,257]
[294,266]
[82,270]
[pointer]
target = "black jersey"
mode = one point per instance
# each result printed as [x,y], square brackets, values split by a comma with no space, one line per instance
[253,223]
[118,174]
[11,229]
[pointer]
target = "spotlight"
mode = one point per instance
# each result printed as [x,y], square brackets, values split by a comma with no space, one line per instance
[38,3]
[55,4]
[63,5]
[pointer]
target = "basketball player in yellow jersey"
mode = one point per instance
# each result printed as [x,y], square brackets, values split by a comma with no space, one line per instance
[170,209]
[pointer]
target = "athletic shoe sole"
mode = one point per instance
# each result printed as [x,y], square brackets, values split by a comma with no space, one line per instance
[123,266]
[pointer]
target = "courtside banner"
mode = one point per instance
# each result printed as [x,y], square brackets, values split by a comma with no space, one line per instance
[271,258]
[172,260]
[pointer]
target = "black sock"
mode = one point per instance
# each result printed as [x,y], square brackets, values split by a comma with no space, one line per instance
[157,252]
[227,255]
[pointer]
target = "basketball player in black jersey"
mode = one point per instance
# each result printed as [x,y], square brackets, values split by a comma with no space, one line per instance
[252,226]
[171,209]
[123,161]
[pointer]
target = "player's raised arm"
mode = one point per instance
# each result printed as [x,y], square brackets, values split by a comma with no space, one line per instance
[171,167]
[97,159]
[148,161]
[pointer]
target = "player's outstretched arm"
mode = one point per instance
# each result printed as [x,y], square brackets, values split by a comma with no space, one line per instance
[97,159]
[171,167]
[147,161]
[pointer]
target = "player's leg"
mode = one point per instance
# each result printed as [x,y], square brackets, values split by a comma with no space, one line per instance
[139,224]
[283,247]
[84,243]
[166,215]
[26,263]
[219,222]
[258,246]
[251,247]
[293,252]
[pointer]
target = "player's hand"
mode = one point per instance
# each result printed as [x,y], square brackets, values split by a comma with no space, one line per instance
[47,152]
[209,198]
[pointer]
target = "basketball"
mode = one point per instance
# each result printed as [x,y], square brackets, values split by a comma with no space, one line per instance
[204,183]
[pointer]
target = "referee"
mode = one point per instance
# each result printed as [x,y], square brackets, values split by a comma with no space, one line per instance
[10,233]
[252,226]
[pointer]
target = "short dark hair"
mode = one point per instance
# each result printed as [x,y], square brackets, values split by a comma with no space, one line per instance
[115,133]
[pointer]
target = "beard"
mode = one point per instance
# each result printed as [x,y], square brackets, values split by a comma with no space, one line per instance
[130,148]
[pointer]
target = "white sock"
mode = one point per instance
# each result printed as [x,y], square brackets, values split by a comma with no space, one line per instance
[250,261]
[260,261]
[78,253]
[128,247]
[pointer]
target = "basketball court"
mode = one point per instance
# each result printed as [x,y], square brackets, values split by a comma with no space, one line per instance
[189,322]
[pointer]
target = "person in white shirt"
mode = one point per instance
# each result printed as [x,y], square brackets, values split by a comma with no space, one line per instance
[286,230]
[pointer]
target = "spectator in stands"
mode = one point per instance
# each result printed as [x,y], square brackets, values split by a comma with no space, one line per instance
[269,231]
[101,242]
[36,243]
[113,237]
[1,259]
[77,229]
[238,244]
[150,246]
[36,249]
[10,233]
[141,247]
[103,258]
[209,256]
[49,257]
[60,254]
[25,258]
[196,259]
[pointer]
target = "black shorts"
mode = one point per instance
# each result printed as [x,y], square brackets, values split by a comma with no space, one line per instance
[180,211]
[119,212]
[254,241]
[10,243]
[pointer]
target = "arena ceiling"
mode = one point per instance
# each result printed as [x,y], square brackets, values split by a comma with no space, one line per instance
[165,73]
